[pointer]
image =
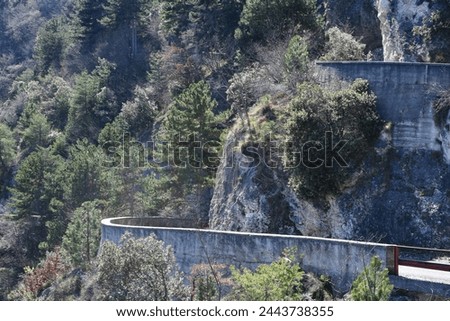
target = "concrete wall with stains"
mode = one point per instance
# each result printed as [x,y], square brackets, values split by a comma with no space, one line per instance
[341,260]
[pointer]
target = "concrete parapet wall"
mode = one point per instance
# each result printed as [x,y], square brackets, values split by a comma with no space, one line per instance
[405,94]
[161,222]
[341,260]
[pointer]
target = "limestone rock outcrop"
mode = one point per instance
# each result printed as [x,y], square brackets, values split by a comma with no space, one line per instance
[400,194]
[391,28]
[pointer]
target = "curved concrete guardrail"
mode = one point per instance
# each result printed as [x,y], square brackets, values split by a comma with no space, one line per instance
[341,260]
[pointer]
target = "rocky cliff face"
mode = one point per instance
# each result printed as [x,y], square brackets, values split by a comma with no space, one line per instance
[249,196]
[397,21]
[359,17]
[401,193]
[402,197]
[392,27]
[398,197]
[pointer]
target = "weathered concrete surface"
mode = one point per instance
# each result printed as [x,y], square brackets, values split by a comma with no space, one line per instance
[342,261]
[405,94]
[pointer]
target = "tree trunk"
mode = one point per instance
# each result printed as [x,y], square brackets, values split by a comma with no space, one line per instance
[134,41]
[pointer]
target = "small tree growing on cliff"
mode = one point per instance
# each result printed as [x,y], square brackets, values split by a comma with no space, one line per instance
[296,59]
[82,237]
[373,283]
[342,46]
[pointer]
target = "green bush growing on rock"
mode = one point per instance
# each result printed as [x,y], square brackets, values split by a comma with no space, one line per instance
[342,46]
[373,283]
[322,121]
[435,32]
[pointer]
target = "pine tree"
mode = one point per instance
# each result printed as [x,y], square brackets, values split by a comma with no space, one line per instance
[296,59]
[92,105]
[39,190]
[175,16]
[207,18]
[373,283]
[127,167]
[132,13]
[113,133]
[7,155]
[213,18]
[51,44]
[32,193]
[82,238]
[81,122]
[58,214]
[85,174]
[155,193]
[189,125]
[262,19]
[125,179]
[128,11]
[37,134]
[88,14]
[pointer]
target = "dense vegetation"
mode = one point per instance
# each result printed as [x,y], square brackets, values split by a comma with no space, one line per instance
[344,120]
[85,84]
[279,281]
[138,270]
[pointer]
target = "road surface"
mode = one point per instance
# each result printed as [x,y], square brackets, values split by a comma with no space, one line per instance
[424,274]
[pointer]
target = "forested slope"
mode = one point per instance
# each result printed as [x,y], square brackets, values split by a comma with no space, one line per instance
[124,107]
